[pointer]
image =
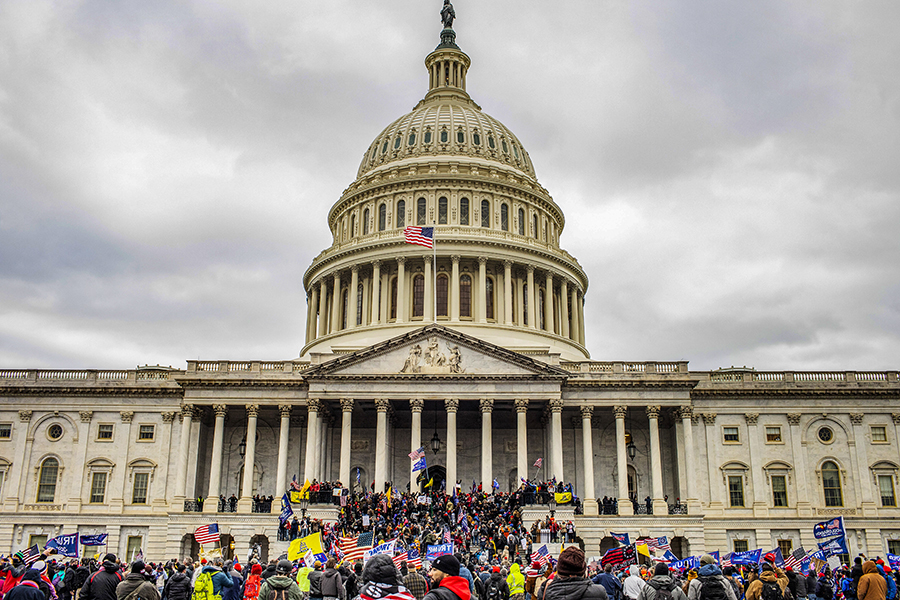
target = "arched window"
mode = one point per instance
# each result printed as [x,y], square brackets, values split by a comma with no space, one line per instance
[489,296]
[525,304]
[344,304]
[442,286]
[485,213]
[831,484]
[463,211]
[504,217]
[420,211]
[366,222]
[534,226]
[546,233]
[352,225]
[382,217]
[442,211]
[359,304]
[521,221]
[401,214]
[418,296]
[393,298]
[465,296]
[539,319]
[47,480]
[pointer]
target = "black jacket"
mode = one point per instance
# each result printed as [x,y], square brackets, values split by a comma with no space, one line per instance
[102,584]
[132,582]
[496,580]
[178,587]
[572,588]
[25,592]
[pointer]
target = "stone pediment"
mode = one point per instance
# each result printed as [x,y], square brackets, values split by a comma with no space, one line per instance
[435,350]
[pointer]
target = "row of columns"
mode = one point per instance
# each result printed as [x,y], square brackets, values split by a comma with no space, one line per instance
[325,299]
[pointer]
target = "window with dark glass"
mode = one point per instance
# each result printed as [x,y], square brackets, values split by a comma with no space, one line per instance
[442,285]
[879,434]
[465,296]
[485,213]
[504,217]
[139,492]
[352,225]
[146,432]
[444,136]
[515,151]
[731,434]
[460,137]
[418,296]
[442,211]
[521,222]
[104,432]
[773,435]
[886,487]
[491,141]
[401,214]
[412,138]
[5,431]
[359,304]
[463,211]
[98,488]
[384,147]
[382,217]
[427,139]
[393,298]
[779,491]
[786,547]
[344,303]
[741,545]
[525,304]
[421,211]
[397,142]
[831,484]
[47,480]
[736,490]
[489,297]
[476,139]
[365,222]
[539,318]
[534,226]
[505,149]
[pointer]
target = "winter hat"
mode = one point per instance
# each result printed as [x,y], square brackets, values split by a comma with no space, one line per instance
[707,559]
[446,563]
[661,569]
[109,558]
[496,569]
[40,566]
[767,567]
[381,569]
[32,575]
[137,566]
[256,569]
[571,562]
[536,565]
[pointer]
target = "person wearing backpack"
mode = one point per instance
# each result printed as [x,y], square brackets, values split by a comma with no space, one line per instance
[710,577]
[570,582]
[211,581]
[178,587]
[516,582]
[280,586]
[891,593]
[254,581]
[101,585]
[824,589]
[496,587]
[332,585]
[661,586]
[769,586]
[135,586]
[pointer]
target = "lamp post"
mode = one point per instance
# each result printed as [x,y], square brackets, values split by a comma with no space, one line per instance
[304,503]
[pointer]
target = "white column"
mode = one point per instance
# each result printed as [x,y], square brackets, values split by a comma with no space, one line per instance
[402,300]
[575,325]
[451,405]
[381,405]
[346,432]
[625,506]
[521,438]
[416,405]
[336,303]
[246,499]
[183,452]
[312,435]
[487,442]
[659,503]
[581,319]
[312,318]
[376,291]
[428,299]
[692,501]
[564,308]
[532,311]
[556,406]
[507,295]
[548,303]
[589,494]
[454,288]
[351,297]
[482,289]
[215,469]
[283,436]
[323,306]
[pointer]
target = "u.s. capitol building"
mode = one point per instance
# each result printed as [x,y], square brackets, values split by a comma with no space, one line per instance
[477,346]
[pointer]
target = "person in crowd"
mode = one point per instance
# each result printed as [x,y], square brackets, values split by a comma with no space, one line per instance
[382,581]
[610,583]
[253,582]
[633,584]
[280,586]
[768,577]
[570,582]
[710,575]
[315,582]
[178,586]
[415,583]
[331,585]
[496,587]
[303,580]
[662,583]
[516,582]
[136,586]
[101,585]
[872,585]
[446,584]
[236,591]
[28,587]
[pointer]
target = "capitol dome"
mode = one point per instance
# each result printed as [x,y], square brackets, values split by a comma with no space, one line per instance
[496,272]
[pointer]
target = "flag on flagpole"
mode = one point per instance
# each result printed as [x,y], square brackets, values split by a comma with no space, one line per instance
[430,482]
[539,462]
[354,547]
[419,465]
[622,538]
[207,534]
[30,555]
[417,454]
[294,485]
[413,558]
[423,236]
[793,560]
[541,555]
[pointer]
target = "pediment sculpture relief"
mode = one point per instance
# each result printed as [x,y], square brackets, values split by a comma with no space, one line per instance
[436,361]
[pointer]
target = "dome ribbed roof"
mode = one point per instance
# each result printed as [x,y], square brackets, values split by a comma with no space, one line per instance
[443,127]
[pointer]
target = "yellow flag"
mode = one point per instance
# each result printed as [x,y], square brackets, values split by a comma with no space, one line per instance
[295,497]
[563,498]
[390,493]
[430,481]
[304,491]
[301,546]
[642,549]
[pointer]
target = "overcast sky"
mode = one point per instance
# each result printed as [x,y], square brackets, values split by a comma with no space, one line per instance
[730,171]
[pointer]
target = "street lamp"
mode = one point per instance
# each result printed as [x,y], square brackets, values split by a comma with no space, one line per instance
[435,442]
[631,449]
[552,505]
[304,503]
[242,447]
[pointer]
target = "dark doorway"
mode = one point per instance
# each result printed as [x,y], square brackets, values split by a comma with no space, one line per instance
[436,472]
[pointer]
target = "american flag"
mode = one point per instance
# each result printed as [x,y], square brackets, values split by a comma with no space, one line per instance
[660,543]
[207,534]
[623,555]
[295,485]
[354,547]
[539,462]
[447,536]
[541,555]
[726,560]
[423,236]
[30,555]
[413,558]
[400,558]
[794,559]
[417,454]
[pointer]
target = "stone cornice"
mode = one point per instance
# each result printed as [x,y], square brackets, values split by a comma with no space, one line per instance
[632,383]
[88,390]
[202,382]
[818,392]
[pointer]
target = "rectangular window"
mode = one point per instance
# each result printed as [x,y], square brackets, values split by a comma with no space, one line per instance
[731,434]
[40,540]
[779,491]
[5,431]
[135,543]
[146,431]
[893,546]
[98,488]
[442,296]
[879,434]
[104,432]
[736,490]
[139,495]
[886,486]
[741,545]
[463,211]
[773,435]
[786,547]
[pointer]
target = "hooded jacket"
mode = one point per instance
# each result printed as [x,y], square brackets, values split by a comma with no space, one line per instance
[132,582]
[450,588]
[516,580]
[502,585]
[707,571]
[661,582]
[754,590]
[332,585]
[633,583]
[872,585]
[220,579]
[891,584]
[178,587]
[573,588]
[102,584]
[271,587]
[27,588]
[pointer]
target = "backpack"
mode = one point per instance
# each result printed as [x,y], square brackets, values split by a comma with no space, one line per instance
[251,588]
[493,589]
[713,588]
[278,594]
[203,588]
[663,593]
[824,590]
[771,591]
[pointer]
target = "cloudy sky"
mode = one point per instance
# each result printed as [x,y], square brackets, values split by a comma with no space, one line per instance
[730,171]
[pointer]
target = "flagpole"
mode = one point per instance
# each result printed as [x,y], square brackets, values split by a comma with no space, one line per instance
[434,273]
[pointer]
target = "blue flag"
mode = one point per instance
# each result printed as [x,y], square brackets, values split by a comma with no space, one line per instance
[94,540]
[433,551]
[419,465]
[778,558]
[829,529]
[65,545]
[669,557]
[834,547]
[622,538]
[750,557]
[286,511]
[715,555]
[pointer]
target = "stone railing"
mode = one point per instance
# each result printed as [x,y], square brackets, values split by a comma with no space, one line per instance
[85,376]
[628,368]
[224,367]
[802,377]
